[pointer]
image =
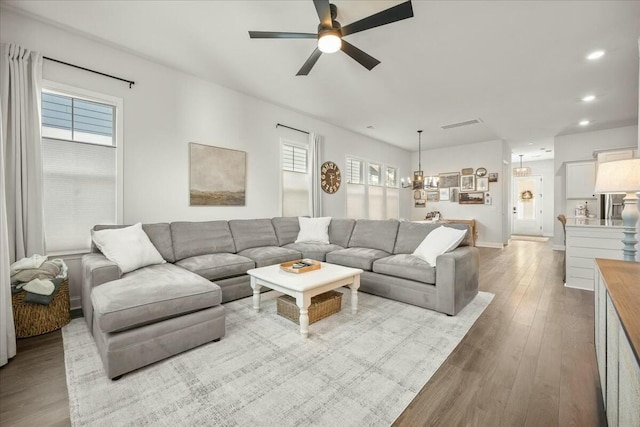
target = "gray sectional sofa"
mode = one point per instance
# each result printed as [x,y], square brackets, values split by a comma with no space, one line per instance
[160,310]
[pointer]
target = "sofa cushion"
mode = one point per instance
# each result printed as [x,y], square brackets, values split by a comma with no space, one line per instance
[149,295]
[406,266]
[159,234]
[252,233]
[269,255]
[340,230]
[217,266]
[286,228]
[410,235]
[356,257]
[200,238]
[374,234]
[129,247]
[317,251]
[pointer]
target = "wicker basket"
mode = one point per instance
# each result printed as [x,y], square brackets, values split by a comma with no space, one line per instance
[37,319]
[322,306]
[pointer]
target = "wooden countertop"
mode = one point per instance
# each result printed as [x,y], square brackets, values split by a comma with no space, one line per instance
[622,279]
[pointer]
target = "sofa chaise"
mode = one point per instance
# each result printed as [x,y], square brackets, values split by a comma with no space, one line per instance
[160,310]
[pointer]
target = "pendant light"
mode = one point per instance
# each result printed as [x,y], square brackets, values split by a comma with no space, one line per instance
[417,183]
[521,171]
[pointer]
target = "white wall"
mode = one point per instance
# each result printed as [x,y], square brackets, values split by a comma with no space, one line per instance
[545,169]
[489,218]
[581,146]
[166,109]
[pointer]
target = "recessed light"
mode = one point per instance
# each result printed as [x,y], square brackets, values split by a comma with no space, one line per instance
[596,54]
[584,122]
[588,98]
[531,143]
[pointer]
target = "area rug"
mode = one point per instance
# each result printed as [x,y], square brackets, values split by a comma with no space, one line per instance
[358,370]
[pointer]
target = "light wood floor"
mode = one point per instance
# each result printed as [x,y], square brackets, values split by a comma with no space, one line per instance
[528,361]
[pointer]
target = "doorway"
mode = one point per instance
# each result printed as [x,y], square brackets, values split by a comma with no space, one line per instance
[527,205]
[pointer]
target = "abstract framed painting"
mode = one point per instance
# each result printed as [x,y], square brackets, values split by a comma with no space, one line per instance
[217,176]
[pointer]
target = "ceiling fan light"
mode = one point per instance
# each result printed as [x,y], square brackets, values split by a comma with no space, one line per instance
[329,42]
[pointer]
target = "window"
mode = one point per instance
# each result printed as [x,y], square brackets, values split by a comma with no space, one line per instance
[81,158]
[378,197]
[296,180]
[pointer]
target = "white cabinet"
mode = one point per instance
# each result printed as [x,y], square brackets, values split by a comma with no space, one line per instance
[587,240]
[610,156]
[618,365]
[580,179]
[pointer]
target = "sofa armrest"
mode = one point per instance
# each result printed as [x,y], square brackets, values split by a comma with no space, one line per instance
[96,270]
[457,275]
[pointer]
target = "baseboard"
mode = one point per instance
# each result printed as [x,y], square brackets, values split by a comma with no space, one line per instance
[578,287]
[493,245]
[558,247]
[547,234]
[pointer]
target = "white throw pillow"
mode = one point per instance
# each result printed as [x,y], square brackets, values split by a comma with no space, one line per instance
[128,247]
[313,230]
[442,239]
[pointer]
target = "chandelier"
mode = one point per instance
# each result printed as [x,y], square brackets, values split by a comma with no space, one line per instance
[417,183]
[521,171]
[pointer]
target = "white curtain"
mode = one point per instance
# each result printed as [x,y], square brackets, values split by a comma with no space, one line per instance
[21,202]
[315,149]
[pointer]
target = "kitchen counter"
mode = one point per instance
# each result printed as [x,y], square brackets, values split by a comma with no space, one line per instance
[594,222]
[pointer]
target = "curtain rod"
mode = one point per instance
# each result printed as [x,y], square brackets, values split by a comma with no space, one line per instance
[289,127]
[91,71]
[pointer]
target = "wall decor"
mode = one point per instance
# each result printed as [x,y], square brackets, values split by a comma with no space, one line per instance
[475,198]
[330,177]
[467,183]
[493,177]
[448,180]
[467,171]
[482,184]
[432,196]
[487,200]
[217,176]
[481,172]
[454,194]
[418,194]
[431,182]
[420,203]
[444,194]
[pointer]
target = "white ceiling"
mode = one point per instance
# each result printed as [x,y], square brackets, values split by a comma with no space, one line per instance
[518,66]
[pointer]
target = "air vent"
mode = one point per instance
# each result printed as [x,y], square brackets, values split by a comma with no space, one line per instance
[460,124]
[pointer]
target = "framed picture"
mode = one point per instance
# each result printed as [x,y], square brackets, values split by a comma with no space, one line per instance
[467,183]
[431,182]
[217,176]
[444,194]
[454,194]
[493,177]
[475,198]
[448,180]
[420,203]
[482,184]
[432,196]
[487,199]
[467,171]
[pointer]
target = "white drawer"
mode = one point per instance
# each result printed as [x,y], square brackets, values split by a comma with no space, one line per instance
[573,261]
[593,253]
[580,283]
[582,273]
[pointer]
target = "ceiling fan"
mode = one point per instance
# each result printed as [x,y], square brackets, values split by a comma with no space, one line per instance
[330,33]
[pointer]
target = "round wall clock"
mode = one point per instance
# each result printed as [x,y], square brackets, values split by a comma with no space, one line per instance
[481,172]
[330,177]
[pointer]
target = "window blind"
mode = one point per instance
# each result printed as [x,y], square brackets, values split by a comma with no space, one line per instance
[354,171]
[294,159]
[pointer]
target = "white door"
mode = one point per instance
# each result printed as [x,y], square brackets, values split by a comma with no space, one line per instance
[527,205]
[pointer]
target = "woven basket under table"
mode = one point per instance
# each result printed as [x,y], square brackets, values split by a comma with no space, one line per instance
[37,319]
[322,306]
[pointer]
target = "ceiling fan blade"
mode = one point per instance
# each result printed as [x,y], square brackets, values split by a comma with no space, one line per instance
[308,65]
[366,60]
[393,14]
[280,35]
[324,12]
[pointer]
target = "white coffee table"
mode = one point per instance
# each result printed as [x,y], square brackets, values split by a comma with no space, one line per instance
[303,286]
